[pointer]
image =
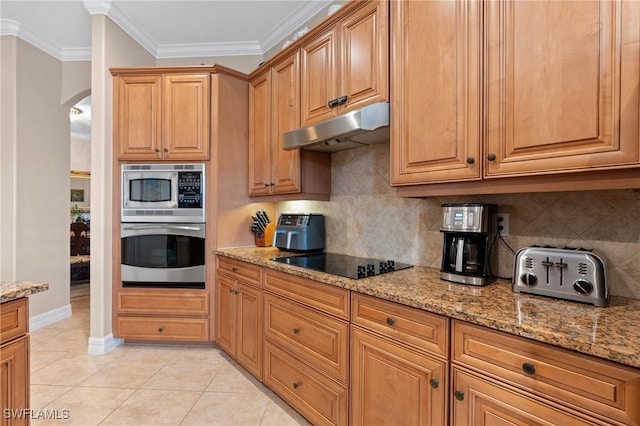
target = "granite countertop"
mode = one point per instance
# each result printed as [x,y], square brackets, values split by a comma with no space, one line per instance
[611,333]
[12,290]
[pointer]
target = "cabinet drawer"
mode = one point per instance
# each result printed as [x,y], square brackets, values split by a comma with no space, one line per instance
[421,329]
[14,319]
[173,302]
[314,395]
[319,339]
[597,387]
[324,297]
[170,329]
[247,272]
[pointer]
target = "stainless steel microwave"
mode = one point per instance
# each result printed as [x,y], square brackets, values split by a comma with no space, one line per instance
[163,193]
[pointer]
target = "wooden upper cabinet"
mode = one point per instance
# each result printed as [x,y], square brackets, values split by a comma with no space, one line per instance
[562,85]
[260,134]
[346,66]
[364,58]
[274,99]
[435,105]
[137,114]
[186,117]
[162,116]
[513,89]
[319,76]
[285,80]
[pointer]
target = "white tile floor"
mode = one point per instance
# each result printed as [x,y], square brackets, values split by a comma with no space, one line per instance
[143,384]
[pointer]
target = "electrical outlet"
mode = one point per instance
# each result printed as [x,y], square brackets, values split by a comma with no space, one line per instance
[502,224]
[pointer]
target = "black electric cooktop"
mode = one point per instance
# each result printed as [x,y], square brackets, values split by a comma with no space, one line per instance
[342,264]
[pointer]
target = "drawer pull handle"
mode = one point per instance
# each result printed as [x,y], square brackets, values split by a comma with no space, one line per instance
[390,321]
[459,395]
[296,330]
[234,269]
[434,383]
[296,385]
[529,368]
[160,329]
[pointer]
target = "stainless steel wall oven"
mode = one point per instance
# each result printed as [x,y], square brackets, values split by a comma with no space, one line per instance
[163,255]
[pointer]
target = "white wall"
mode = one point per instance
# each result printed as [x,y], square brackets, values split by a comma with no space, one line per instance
[42,176]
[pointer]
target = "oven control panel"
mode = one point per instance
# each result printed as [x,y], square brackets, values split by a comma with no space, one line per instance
[190,189]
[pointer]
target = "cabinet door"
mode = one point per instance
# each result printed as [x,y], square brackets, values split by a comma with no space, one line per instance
[364,56]
[391,384]
[260,135]
[319,77]
[249,317]
[226,314]
[562,85]
[186,117]
[482,402]
[14,380]
[138,117]
[435,48]
[286,117]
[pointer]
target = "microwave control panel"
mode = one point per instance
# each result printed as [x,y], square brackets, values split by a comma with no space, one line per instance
[190,190]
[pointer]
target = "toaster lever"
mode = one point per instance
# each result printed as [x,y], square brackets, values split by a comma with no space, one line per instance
[560,265]
[546,263]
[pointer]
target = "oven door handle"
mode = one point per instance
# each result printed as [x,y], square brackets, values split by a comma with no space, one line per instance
[163,226]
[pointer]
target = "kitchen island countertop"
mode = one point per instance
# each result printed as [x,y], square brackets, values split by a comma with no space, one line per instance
[12,290]
[611,333]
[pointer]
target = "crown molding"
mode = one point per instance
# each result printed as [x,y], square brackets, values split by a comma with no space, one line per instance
[9,27]
[97,7]
[128,26]
[291,23]
[198,50]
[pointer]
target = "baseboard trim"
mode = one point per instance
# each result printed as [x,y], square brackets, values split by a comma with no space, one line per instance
[48,318]
[102,345]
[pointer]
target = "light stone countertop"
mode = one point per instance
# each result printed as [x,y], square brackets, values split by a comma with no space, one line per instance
[12,290]
[611,333]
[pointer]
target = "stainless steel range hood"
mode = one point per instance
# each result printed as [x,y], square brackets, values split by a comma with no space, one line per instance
[365,126]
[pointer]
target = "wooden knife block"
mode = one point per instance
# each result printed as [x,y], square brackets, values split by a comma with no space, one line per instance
[267,237]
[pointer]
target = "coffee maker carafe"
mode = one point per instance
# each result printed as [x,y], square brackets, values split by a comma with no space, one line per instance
[469,233]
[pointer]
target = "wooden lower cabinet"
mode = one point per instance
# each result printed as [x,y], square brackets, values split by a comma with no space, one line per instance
[14,362]
[392,384]
[174,315]
[479,401]
[316,396]
[239,322]
[595,387]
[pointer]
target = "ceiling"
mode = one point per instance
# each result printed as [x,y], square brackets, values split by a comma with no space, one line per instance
[165,28]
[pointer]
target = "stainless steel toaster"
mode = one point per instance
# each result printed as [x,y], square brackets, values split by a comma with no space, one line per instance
[300,232]
[566,273]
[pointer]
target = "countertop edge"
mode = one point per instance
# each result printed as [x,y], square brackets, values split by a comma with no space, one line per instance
[13,290]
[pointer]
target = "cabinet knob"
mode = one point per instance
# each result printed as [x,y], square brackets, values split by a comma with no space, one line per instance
[266,185]
[529,368]
[491,156]
[236,292]
[296,330]
[459,395]
[391,321]
[296,385]
[157,150]
[471,160]
[230,290]
[234,269]
[166,150]
[161,329]
[434,383]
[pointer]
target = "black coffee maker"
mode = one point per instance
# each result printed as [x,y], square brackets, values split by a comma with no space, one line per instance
[469,233]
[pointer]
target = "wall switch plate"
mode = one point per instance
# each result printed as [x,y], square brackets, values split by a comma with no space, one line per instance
[502,220]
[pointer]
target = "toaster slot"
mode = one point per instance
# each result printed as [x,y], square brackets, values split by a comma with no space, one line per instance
[547,263]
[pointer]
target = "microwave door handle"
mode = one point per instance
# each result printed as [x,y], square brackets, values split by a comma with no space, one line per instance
[163,226]
[460,255]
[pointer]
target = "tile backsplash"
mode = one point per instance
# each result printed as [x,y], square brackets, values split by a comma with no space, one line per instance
[366,218]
